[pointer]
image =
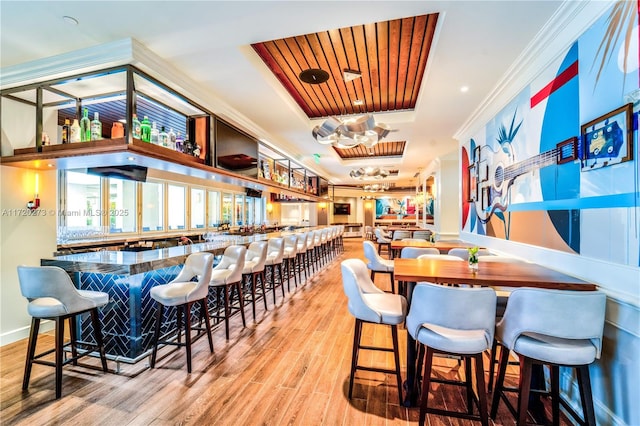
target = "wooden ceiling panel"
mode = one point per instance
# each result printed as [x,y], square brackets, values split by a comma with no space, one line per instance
[381,149]
[391,57]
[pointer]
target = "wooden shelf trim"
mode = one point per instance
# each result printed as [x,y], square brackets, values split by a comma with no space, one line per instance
[23,156]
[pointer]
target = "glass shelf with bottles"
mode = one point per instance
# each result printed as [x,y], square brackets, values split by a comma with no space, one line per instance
[274,170]
[311,183]
[105,104]
[298,179]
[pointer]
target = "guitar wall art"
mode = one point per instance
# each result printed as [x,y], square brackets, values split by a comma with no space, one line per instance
[557,165]
[607,140]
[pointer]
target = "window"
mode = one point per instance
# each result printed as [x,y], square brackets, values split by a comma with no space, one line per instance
[214,209]
[248,210]
[198,205]
[82,192]
[176,200]
[122,205]
[227,208]
[152,206]
[239,208]
[259,211]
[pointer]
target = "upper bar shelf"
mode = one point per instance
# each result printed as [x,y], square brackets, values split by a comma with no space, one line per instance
[178,135]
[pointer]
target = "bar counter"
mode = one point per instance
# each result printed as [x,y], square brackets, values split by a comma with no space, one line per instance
[127,277]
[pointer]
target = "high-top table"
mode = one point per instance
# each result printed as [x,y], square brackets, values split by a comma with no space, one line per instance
[394,228]
[443,245]
[502,274]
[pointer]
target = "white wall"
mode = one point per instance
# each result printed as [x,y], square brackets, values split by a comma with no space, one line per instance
[447,204]
[24,240]
[615,376]
[25,236]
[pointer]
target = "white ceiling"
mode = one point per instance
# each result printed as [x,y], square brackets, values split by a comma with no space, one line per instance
[475,43]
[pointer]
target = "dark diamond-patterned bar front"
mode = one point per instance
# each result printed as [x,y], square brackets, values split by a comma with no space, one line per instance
[127,277]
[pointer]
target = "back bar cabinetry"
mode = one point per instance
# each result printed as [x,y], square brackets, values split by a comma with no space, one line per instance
[180,136]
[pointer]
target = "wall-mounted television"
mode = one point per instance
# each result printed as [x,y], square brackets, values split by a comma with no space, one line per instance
[130,172]
[341,208]
[250,192]
[235,150]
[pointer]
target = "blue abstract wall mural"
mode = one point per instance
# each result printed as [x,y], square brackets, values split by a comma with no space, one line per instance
[530,174]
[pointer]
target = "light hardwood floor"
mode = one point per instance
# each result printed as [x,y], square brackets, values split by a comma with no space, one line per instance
[290,367]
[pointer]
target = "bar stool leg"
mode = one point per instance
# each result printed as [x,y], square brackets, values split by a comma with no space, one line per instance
[97,329]
[469,385]
[252,284]
[584,384]
[524,389]
[179,324]
[187,333]
[279,267]
[354,354]
[207,324]
[241,302]
[482,393]
[492,363]
[264,292]
[31,350]
[156,333]
[59,354]
[555,394]
[426,384]
[227,310]
[396,357]
[497,390]
[73,339]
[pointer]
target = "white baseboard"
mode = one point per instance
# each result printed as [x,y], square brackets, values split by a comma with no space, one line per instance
[23,332]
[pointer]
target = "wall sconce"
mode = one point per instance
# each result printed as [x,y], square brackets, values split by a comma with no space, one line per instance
[35,203]
[323,205]
[269,207]
[367,205]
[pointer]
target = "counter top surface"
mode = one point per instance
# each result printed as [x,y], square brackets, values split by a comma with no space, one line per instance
[130,263]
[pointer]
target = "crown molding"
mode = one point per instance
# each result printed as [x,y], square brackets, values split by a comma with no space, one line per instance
[566,25]
[80,61]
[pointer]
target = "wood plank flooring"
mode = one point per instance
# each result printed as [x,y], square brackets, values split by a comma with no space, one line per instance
[290,367]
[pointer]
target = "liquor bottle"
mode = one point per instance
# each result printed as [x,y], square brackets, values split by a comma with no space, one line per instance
[135,127]
[163,138]
[65,131]
[85,126]
[155,135]
[179,143]
[145,129]
[172,139]
[75,132]
[96,128]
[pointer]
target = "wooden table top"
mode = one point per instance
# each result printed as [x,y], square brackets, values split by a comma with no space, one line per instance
[442,245]
[405,228]
[507,274]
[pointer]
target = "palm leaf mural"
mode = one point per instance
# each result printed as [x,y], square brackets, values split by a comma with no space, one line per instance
[620,23]
[508,136]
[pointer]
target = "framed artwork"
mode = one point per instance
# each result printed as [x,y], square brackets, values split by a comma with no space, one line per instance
[608,139]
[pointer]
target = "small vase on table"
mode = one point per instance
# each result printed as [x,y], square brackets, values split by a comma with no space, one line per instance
[473,258]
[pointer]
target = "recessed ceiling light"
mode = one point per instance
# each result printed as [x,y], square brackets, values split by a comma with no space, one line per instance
[464,89]
[131,158]
[70,20]
[358,102]
[50,165]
